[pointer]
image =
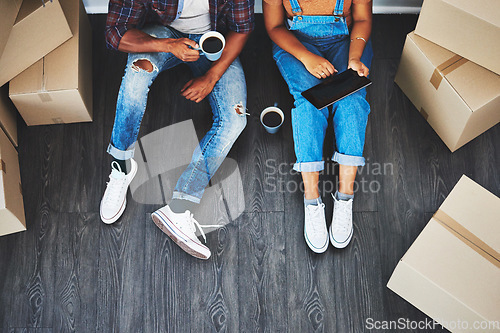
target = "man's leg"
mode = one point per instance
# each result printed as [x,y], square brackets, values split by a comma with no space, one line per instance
[228,102]
[140,72]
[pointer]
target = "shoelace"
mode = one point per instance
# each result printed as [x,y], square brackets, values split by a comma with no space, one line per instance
[315,211]
[193,224]
[342,224]
[114,186]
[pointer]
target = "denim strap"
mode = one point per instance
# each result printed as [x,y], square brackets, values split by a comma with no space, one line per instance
[296,7]
[339,8]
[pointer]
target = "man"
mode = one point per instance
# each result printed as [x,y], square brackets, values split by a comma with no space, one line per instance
[158,35]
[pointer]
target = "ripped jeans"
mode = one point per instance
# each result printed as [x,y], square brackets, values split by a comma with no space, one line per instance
[225,99]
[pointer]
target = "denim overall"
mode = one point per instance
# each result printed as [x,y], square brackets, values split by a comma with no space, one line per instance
[328,37]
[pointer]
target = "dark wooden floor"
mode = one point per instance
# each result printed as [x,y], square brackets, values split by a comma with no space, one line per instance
[71,273]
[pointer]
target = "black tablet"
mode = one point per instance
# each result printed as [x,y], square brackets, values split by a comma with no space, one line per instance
[335,88]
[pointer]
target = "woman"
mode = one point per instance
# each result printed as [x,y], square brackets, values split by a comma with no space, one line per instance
[312,41]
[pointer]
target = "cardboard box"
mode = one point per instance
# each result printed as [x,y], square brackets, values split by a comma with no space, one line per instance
[8,13]
[58,88]
[38,29]
[468,28]
[452,270]
[458,98]
[11,199]
[8,115]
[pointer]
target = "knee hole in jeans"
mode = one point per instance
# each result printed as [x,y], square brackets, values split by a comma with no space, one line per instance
[143,64]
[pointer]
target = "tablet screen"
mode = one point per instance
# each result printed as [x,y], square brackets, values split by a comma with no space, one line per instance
[335,88]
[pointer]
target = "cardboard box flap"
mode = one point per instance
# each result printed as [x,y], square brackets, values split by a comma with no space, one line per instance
[476,85]
[34,82]
[8,115]
[9,10]
[10,190]
[59,64]
[486,10]
[37,31]
[470,205]
[28,7]
[434,53]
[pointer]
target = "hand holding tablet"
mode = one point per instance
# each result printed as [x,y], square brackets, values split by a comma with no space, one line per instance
[335,88]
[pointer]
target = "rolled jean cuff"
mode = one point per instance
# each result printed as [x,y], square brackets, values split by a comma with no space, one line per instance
[309,166]
[348,159]
[121,154]
[184,196]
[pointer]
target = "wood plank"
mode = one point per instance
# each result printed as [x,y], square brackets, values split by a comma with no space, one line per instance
[389,33]
[259,153]
[121,250]
[215,297]
[307,310]
[76,273]
[168,300]
[354,273]
[120,299]
[40,146]
[402,218]
[7,247]
[262,271]
[31,273]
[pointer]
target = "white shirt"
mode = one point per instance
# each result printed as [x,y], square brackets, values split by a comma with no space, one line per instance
[194,18]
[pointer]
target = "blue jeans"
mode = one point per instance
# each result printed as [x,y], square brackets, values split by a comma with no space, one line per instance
[350,114]
[227,93]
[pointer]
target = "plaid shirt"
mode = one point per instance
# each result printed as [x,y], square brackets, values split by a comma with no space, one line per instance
[235,15]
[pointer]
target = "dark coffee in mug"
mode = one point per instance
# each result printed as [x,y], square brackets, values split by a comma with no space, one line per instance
[272,119]
[212,45]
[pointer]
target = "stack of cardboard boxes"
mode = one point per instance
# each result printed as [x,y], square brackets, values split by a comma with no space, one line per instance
[450,71]
[450,68]
[45,53]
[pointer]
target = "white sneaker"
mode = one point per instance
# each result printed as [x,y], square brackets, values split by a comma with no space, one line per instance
[114,201]
[315,231]
[181,229]
[341,227]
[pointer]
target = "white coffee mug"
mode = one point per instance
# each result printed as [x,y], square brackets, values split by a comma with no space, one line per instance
[212,56]
[277,110]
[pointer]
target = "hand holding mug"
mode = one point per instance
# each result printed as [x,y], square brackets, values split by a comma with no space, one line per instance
[183,48]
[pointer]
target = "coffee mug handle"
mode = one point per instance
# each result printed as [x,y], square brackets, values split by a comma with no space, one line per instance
[198,49]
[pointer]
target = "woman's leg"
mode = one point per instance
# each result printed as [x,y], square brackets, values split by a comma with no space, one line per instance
[310,180]
[347,175]
[308,123]
[349,121]
[309,127]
